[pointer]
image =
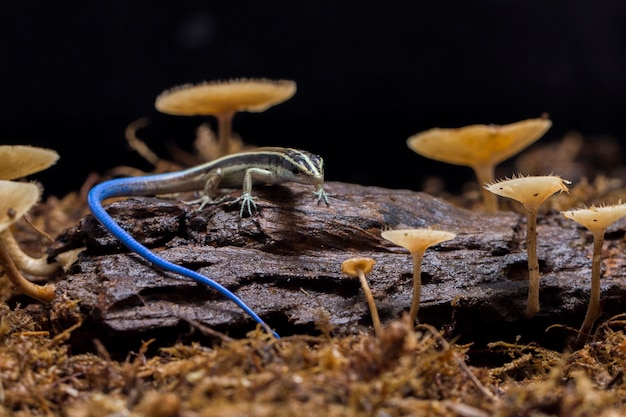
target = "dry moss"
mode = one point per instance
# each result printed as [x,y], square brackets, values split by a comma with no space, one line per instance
[403,372]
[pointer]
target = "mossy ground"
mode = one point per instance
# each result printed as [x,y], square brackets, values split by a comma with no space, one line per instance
[406,371]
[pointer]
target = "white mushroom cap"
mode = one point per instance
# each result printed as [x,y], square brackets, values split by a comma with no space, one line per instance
[17,161]
[16,198]
[212,98]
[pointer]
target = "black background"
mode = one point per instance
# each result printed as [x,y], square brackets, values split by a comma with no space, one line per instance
[369,75]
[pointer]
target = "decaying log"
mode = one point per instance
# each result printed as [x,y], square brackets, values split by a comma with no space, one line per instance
[284,262]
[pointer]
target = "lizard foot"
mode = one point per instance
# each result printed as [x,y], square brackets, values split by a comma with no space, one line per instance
[204,201]
[247,203]
[322,195]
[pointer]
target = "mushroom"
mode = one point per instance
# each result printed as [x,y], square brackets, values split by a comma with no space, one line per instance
[531,191]
[16,198]
[480,147]
[416,241]
[359,267]
[17,161]
[223,100]
[596,220]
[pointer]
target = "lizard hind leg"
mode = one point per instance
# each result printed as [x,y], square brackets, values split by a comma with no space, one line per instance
[209,191]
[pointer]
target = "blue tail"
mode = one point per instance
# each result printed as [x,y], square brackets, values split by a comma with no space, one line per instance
[121,187]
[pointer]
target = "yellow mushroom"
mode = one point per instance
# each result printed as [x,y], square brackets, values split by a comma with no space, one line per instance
[596,220]
[16,198]
[531,192]
[416,241]
[223,100]
[359,267]
[17,161]
[480,147]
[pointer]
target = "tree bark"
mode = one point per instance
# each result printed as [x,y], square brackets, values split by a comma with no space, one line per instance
[285,263]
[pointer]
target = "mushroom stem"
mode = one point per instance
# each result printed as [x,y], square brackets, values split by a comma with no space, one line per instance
[417,283]
[485,175]
[593,309]
[25,262]
[224,131]
[532,305]
[370,302]
[44,293]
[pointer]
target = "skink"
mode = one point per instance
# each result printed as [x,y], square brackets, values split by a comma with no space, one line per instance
[268,165]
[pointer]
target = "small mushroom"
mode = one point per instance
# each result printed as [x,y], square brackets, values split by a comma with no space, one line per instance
[596,220]
[359,267]
[416,241]
[531,191]
[480,147]
[17,161]
[16,198]
[223,100]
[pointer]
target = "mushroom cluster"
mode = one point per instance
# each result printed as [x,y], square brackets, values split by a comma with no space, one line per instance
[16,199]
[482,147]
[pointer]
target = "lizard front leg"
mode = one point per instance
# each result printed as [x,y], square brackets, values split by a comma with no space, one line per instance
[253,174]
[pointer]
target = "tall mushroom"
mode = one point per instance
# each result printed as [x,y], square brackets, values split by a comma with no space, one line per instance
[16,198]
[416,241]
[480,147]
[223,100]
[531,191]
[596,220]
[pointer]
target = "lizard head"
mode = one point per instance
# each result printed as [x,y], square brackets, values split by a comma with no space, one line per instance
[302,167]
